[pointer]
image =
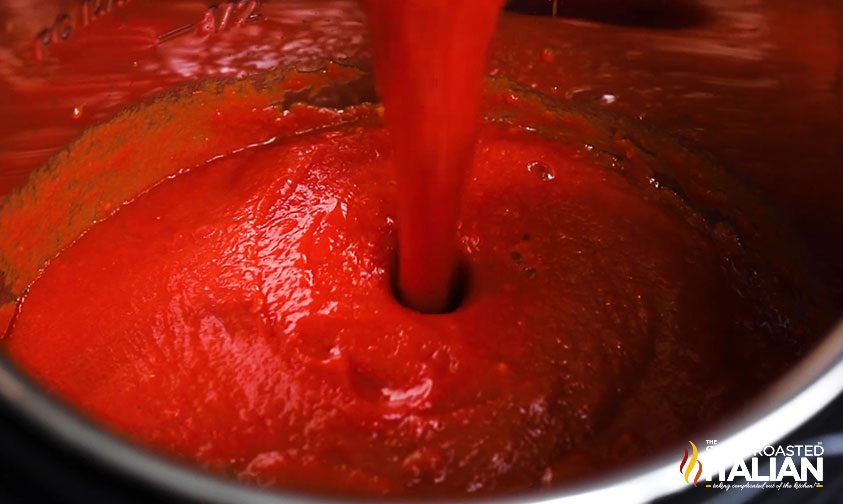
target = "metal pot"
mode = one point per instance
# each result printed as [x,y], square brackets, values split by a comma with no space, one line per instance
[792,401]
[88,453]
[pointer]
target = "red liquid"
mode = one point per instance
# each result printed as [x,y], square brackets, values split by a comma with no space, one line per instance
[239,315]
[429,61]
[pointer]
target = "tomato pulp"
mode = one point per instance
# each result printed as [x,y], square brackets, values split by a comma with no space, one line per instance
[237,312]
[429,59]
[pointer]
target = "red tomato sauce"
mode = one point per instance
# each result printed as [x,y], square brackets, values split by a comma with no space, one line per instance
[228,298]
[429,58]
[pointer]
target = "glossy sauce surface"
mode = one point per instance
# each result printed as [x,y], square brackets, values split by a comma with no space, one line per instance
[725,74]
[429,62]
[239,314]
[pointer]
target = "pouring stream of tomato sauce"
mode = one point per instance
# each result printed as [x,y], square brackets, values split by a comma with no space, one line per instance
[212,274]
[429,58]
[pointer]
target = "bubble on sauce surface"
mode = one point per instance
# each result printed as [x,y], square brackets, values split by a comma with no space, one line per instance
[608,99]
[542,170]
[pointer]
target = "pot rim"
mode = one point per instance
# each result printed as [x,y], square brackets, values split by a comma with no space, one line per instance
[796,397]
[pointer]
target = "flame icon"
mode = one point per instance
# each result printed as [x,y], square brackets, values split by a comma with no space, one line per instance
[686,471]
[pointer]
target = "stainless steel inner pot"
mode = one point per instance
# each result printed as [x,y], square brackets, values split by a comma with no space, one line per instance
[747,38]
[793,400]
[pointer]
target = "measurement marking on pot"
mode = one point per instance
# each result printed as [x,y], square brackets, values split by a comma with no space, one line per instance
[177,32]
[66,23]
[219,18]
